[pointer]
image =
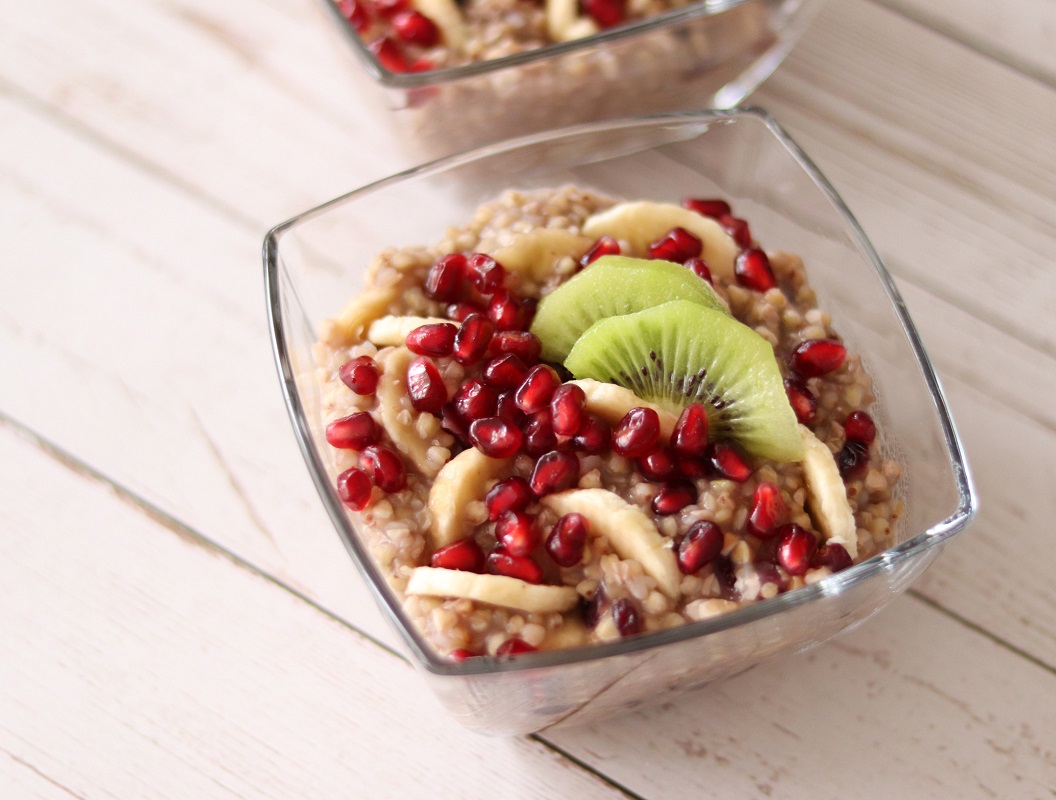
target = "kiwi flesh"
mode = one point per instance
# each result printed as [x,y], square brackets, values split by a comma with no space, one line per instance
[610,286]
[681,352]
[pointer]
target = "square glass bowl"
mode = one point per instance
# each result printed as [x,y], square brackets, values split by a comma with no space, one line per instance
[316,260]
[708,54]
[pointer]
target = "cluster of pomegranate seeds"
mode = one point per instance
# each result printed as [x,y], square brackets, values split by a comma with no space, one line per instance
[699,547]
[604,246]
[753,271]
[607,13]
[524,568]
[802,400]
[676,245]
[415,28]
[768,511]
[795,548]
[816,357]
[355,12]
[425,385]
[353,432]
[626,616]
[567,540]
[465,555]
[360,375]
[637,433]
[354,488]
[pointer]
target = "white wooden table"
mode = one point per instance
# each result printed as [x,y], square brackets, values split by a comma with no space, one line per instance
[177,617]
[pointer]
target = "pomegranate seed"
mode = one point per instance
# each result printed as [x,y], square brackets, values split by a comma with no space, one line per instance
[566,409]
[769,573]
[389,8]
[507,409]
[537,388]
[859,427]
[802,400]
[853,459]
[676,245]
[539,435]
[737,228]
[699,267]
[474,400]
[434,339]
[464,555]
[729,461]
[514,647]
[606,13]
[708,207]
[425,385]
[512,494]
[673,497]
[554,472]
[353,487]
[384,467]
[590,608]
[526,346]
[458,312]
[461,654]
[506,311]
[353,432]
[722,566]
[416,28]
[505,372]
[515,533]
[485,272]
[816,357]
[795,548]
[694,467]
[593,435]
[389,54]
[360,375]
[495,437]
[690,435]
[658,464]
[637,433]
[452,422]
[568,539]
[521,567]
[604,246]
[356,13]
[753,270]
[471,340]
[699,547]
[834,556]
[625,615]
[768,510]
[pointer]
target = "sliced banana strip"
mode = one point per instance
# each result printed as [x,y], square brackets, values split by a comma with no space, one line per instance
[827,494]
[458,483]
[392,331]
[533,253]
[642,222]
[448,17]
[352,323]
[398,421]
[580,29]
[495,590]
[612,402]
[630,532]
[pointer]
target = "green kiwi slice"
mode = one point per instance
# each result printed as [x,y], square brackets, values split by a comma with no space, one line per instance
[612,285]
[680,352]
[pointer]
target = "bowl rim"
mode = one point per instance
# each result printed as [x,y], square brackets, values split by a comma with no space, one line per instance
[937,534]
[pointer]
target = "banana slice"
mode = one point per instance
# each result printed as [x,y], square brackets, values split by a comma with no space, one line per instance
[827,494]
[533,253]
[495,590]
[630,532]
[448,17]
[612,402]
[643,222]
[580,29]
[392,331]
[459,482]
[560,16]
[351,324]
[397,421]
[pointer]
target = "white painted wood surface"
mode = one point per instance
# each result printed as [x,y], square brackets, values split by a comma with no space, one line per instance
[178,619]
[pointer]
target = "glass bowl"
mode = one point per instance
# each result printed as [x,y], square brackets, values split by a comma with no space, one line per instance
[314,261]
[709,54]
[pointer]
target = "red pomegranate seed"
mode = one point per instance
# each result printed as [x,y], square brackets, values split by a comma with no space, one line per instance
[485,272]
[389,8]
[566,409]
[356,13]
[444,280]
[384,467]
[753,270]
[389,54]
[506,311]
[539,434]
[768,512]
[834,556]
[416,28]
[526,346]
[435,339]
[658,464]
[425,385]
[673,497]
[722,566]
[606,13]
[452,422]
[690,435]
[708,207]
[694,467]
[505,372]
[590,608]
[567,540]
[514,647]
[853,459]
[554,472]
[859,427]
[699,547]
[465,555]
[769,573]
[353,432]
[816,357]
[604,246]
[537,388]
[738,229]
[461,654]
[507,409]
[360,375]
[729,461]
[699,267]
[676,245]
[495,437]
[512,494]
[472,338]
[474,400]
[457,312]
[521,567]
[515,533]
[801,399]
[795,548]
[625,615]
[353,487]
[637,433]
[593,436]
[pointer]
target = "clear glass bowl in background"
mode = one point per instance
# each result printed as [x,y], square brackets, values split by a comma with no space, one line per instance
[710,54]
[316,260]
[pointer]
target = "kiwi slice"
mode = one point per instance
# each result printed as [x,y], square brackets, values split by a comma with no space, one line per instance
[612,285]
[680,352]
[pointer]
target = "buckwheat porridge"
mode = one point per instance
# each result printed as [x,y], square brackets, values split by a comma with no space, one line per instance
[575,419]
